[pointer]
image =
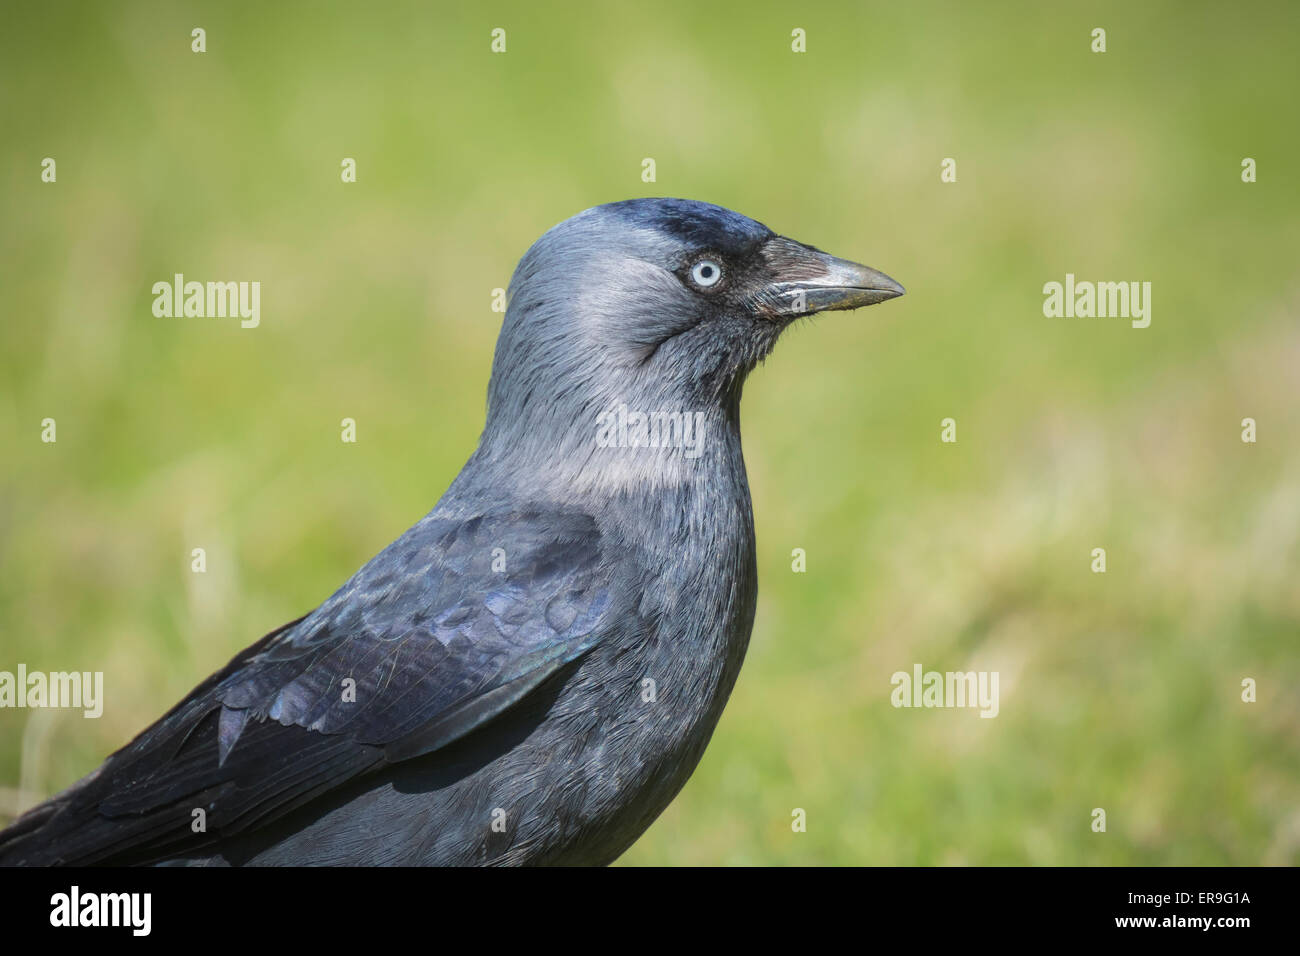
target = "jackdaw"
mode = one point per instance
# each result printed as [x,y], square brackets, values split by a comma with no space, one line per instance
[531,673]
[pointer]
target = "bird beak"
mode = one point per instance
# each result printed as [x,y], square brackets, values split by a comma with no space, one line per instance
[807,280]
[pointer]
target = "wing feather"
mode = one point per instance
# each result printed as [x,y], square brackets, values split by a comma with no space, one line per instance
[453,623]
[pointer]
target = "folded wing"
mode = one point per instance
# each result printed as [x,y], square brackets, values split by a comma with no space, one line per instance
[448,627]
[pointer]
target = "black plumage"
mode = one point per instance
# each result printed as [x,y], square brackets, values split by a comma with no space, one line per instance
[531,672]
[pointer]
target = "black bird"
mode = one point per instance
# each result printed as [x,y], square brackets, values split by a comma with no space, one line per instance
[531,673]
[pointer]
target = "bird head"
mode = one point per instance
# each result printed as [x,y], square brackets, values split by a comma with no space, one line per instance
[654,304]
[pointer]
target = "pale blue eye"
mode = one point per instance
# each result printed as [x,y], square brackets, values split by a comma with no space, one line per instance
[705,273]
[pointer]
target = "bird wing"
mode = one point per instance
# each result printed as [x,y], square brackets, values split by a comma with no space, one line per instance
[445,629]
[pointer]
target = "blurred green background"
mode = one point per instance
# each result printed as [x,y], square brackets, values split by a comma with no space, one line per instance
[1118,690]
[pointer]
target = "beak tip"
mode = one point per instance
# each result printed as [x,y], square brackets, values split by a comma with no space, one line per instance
[882,288]
[888,285]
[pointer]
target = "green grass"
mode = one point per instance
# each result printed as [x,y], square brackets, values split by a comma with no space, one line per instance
[1119,691]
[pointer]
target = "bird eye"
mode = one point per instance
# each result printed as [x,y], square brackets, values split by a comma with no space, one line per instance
[706,273]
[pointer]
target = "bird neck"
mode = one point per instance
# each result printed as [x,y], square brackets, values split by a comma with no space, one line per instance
[620,452]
